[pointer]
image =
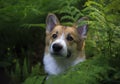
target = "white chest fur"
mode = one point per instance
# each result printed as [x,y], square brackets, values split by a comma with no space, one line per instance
[55,66]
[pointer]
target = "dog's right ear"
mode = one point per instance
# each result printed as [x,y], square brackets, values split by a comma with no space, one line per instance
[51,22]
[82,30]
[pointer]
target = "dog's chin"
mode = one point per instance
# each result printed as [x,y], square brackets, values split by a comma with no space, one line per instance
[58,54]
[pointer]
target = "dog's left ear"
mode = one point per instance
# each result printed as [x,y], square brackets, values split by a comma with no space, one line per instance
[51,22]
[82,30]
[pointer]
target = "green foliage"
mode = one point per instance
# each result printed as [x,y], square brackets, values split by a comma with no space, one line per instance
[16,74]
[22,33]
[70,13]
[20,73]
[36,76]
[34,80]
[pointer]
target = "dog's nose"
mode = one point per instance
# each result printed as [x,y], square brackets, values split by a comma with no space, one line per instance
[57,47]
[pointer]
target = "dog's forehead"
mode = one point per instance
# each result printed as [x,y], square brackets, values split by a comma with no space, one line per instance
[58,28]
[65,29]
[70,30]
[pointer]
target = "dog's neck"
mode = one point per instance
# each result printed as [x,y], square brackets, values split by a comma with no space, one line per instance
[56,65]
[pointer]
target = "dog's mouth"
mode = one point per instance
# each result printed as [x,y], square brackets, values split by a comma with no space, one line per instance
[69,53]
[59,54]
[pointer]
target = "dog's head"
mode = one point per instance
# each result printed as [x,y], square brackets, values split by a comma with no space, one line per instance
[64,41]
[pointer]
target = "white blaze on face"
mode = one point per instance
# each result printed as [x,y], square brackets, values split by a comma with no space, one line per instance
[61,41]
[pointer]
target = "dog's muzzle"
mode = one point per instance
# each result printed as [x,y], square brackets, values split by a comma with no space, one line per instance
[59,51]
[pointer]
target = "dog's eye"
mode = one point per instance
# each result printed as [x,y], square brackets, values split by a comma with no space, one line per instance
[69,38]
[54,36]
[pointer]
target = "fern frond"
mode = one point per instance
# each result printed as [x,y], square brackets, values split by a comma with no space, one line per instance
[67,18]
[93,9]
[74,10]
[91,3]
[33,25]
[97,16]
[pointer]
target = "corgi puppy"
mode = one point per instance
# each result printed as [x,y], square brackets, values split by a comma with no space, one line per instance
[64,45]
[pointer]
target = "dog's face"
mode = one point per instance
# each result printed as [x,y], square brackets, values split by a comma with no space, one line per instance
[63,41]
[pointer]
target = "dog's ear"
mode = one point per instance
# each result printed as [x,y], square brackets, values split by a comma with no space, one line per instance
[82,30]
[51,22]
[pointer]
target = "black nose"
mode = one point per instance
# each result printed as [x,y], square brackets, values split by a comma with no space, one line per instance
[57,47]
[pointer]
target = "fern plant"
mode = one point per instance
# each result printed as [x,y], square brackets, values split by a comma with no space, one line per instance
[70,13]
[101,24]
